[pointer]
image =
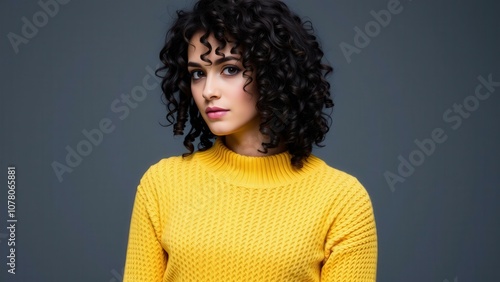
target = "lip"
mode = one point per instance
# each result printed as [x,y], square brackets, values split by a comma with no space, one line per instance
[215,112]
[215,109]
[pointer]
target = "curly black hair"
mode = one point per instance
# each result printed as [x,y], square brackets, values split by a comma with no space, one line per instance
[277,47]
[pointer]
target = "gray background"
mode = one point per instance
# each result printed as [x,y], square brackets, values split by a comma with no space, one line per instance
[440,224]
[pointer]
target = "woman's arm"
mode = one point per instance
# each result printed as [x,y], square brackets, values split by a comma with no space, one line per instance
[146,259]
[351,249]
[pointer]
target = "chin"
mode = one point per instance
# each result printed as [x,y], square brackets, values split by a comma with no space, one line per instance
[218,131]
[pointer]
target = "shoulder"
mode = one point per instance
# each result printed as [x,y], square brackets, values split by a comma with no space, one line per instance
[163,164]
[340,182]
[334,174]
[157,182]
[349,200]
[159,172]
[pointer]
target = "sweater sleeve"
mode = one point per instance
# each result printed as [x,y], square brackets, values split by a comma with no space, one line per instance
[146,259]
[351,245]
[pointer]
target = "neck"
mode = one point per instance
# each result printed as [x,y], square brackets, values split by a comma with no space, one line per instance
[252,145]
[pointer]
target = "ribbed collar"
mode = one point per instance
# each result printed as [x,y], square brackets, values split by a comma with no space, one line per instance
[267,171]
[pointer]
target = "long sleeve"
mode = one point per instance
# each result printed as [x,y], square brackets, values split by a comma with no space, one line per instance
[145,260]
[352,240]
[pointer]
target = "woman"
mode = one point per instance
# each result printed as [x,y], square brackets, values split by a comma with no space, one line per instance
[252,203]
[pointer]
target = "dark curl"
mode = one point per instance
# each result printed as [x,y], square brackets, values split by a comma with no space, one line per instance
[276,46]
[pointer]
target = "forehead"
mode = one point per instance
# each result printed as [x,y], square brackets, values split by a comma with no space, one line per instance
[196,48]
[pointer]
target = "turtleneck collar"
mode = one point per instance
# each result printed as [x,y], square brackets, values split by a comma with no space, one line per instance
[266,171]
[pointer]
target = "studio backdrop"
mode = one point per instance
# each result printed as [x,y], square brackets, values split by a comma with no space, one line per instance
[416,88]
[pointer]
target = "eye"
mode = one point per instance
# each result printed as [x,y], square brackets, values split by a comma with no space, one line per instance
[231,70]
[195,75]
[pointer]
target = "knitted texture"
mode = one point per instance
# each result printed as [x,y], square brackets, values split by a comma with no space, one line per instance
[220,216]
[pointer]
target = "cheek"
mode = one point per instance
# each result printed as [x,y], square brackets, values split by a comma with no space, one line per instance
[253,94]
[198,99]
[195,92]
[193,89]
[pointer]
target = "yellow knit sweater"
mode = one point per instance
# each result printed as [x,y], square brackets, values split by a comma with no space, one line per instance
[220,216]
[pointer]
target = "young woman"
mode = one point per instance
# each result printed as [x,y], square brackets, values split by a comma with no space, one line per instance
[252,203]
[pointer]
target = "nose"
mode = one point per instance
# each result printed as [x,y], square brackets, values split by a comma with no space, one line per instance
[211,89]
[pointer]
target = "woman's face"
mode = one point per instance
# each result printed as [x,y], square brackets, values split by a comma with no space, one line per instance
[217,90]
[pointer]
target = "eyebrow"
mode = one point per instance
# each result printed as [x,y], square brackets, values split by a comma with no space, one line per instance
[217,62]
